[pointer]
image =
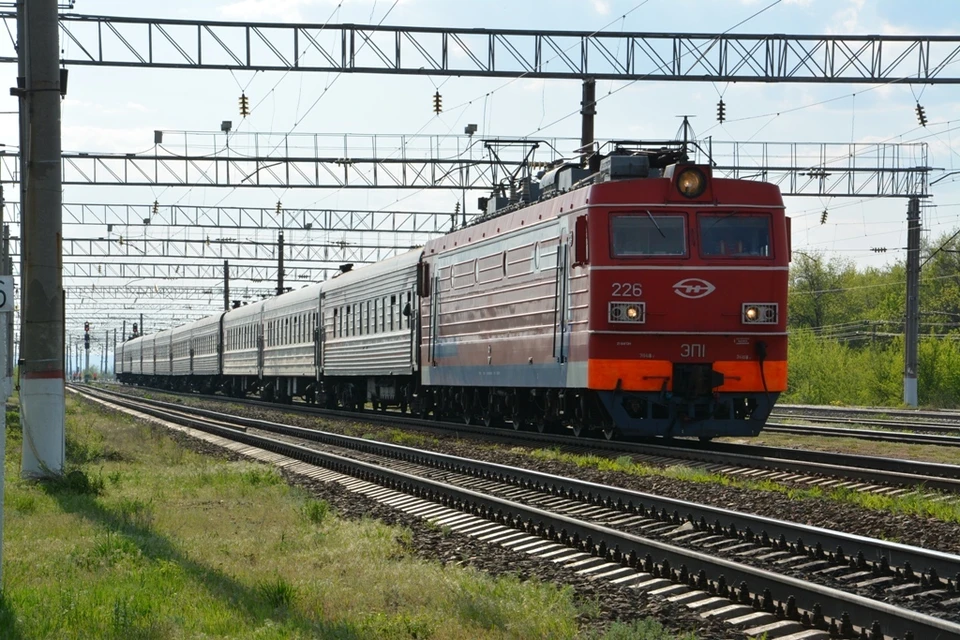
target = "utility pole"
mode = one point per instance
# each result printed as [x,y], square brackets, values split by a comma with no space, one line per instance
[280,263]
[86,351]
[142,331]
[106,349]
[588,109]
[912,322]
[123,336]
[42,339]
[226,285]
[114,354]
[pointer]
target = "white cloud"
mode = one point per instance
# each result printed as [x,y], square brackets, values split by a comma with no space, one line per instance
[283,10]
[601,6]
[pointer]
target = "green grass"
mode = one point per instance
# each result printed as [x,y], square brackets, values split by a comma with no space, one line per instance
[910,504]
[144,539]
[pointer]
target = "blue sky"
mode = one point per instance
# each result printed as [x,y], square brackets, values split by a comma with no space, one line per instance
[117,110]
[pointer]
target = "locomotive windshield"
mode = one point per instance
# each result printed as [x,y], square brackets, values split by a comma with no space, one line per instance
[735,235]
[645,234]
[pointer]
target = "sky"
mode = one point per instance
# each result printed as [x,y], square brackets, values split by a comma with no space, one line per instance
[117,110]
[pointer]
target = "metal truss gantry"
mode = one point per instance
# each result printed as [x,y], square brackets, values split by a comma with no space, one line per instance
[401,223]
[350,48]
[108,293]
[220,249]
[799,169]
[295,276]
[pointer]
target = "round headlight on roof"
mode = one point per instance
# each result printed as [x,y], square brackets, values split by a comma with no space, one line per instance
[691,182]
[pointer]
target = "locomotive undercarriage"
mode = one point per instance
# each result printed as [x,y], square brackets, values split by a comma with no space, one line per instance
[690,412]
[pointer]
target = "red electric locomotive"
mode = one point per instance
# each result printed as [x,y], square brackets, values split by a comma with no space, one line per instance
[646,298]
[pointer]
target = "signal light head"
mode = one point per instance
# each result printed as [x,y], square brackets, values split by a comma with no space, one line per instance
[691,182]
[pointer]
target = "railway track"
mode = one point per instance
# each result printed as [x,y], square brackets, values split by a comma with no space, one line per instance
[886,476]
[760,574]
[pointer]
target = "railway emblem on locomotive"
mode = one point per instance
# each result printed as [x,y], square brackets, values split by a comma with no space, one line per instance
[693,288]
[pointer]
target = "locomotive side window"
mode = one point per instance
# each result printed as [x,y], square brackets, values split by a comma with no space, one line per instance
[735,235]
[645,234]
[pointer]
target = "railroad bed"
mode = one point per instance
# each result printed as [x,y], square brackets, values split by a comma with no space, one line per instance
[771,576]
[871,474]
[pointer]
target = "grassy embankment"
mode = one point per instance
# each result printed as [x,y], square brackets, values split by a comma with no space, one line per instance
[145,539]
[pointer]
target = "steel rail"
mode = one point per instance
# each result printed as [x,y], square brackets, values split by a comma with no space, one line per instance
[600,540]
[864,434]
[897,554]
[887,471]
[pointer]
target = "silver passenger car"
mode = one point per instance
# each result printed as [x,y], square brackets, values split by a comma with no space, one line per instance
[242,341]
[369,326]
[163,360]
[289,345]
[205,346]
[180,350]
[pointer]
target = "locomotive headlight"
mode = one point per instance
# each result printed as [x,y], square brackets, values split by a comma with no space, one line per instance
[691,182]
[760,313]
[633,312]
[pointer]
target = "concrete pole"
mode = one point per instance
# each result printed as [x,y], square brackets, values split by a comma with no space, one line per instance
[912,324]
[41,345]
[114,354]
[588,109]
[280,264]
[123,336]
[226,285]
[106,348]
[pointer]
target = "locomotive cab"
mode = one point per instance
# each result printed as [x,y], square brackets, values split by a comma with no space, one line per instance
[687,280]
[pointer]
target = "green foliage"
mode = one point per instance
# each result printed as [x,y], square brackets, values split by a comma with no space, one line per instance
[846,327]
[316,511]
[646,629]
[277,593]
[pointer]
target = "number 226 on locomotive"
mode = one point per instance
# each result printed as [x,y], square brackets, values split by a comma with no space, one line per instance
[654,305]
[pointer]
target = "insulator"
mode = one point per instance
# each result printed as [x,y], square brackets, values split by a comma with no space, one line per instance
[437,103]
[879,249]
[456,207]
[279,207]
[244,105]
[721,111]
[823,216]
[921,115]
[156,207]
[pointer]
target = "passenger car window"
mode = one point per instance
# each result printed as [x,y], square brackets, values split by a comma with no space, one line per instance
[735,235]
[647,234]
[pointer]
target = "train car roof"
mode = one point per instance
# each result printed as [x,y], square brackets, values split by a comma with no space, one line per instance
[367,272]
[303,294]
[242,313]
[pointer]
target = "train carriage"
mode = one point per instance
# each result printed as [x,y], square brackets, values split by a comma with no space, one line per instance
[163,354]
[242,340]
[289,349]
[205,351]
[148,362]
[369,338]
[180,359]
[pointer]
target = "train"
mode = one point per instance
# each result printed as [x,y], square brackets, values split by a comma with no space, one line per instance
[637,296]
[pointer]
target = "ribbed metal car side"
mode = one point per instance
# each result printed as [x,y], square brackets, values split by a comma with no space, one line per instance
[164,355]
[289,323]
[205,346]
[241,338]
[369,319]
[148,353]
[180,349]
